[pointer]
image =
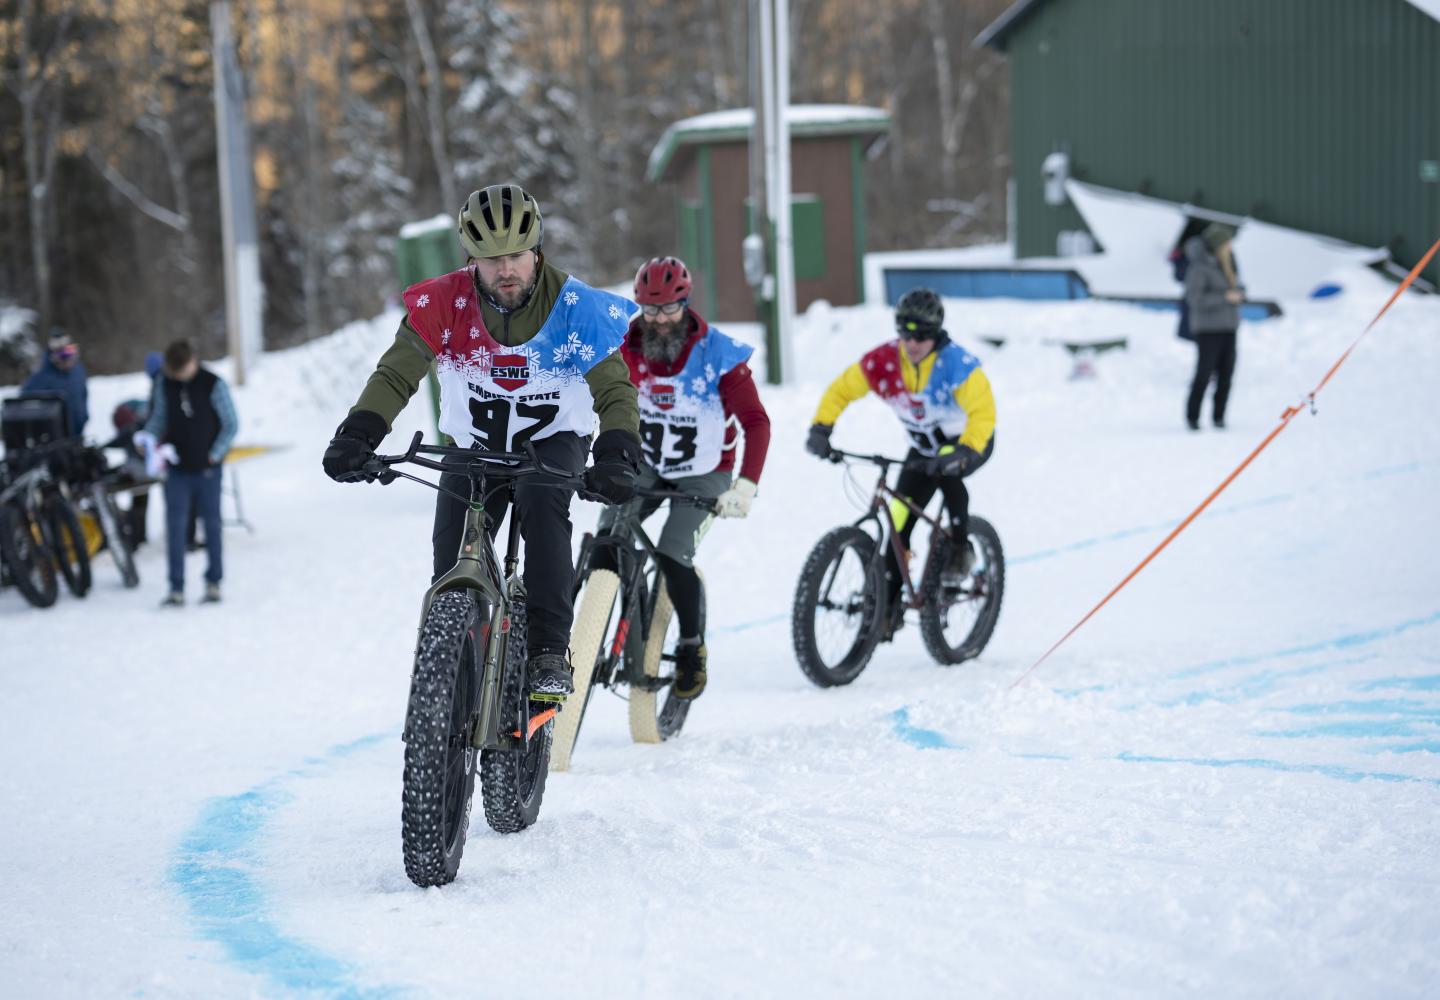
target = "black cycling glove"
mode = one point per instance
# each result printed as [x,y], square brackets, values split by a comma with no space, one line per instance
[353,445]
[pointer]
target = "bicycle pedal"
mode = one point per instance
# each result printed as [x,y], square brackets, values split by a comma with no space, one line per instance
[653,684]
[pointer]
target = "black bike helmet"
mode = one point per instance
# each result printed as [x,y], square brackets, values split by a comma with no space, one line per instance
[919,314]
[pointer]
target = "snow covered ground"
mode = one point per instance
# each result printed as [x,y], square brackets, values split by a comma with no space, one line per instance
[1228,783]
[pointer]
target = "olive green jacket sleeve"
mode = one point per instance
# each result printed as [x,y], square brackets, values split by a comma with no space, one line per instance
[616,402]
[397,375]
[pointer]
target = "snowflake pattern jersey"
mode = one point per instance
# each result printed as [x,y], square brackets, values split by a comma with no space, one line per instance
[931,416]
[682,418]
[495,397]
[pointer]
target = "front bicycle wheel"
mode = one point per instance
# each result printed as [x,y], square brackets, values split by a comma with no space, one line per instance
[439,723]
[960,594]
[656,714]
[587,638]
[24,551]
[835,621]
[512,782]
[116,539]
[67,542]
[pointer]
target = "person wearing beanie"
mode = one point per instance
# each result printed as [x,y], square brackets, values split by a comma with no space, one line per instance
[61,372]
[1213,295]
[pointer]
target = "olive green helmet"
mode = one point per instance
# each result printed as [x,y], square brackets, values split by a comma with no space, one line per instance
[498,220]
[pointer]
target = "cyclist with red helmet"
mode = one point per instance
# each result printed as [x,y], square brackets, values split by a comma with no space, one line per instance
[944,402]
[695,390]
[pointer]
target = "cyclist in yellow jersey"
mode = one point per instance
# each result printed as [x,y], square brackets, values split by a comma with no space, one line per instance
[942,398]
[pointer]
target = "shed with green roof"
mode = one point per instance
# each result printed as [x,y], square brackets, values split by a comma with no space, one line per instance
[706,159]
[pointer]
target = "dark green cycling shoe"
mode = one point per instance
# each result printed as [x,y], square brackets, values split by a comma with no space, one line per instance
[689,670]
[549,675]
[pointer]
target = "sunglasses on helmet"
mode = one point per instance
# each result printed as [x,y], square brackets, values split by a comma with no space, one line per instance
[669,308]
[909,329]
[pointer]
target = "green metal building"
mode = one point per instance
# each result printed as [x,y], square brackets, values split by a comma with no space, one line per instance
[1320,115]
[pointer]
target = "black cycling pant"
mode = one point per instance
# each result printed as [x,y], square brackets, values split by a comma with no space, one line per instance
[1214,360]
[544,525]
[918,486]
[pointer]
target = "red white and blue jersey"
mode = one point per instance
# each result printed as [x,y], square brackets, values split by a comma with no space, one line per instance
[683,424]
[495,397]
[932,415]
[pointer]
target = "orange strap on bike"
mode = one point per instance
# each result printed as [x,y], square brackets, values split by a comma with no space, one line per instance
[1285,418]
[536,721]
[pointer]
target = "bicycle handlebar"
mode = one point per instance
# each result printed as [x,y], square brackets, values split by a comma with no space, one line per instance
[885,462]
[501,464]
[674,496]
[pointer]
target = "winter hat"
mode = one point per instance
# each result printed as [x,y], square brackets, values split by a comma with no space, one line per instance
[1216,235]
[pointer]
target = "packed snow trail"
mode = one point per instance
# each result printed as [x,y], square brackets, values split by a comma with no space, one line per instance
[1225,784]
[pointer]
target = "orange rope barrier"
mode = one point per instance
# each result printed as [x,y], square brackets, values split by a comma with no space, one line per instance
[1285,418]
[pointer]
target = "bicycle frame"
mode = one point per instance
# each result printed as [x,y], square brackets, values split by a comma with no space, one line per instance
[879,512]
[478,568]
[631,562]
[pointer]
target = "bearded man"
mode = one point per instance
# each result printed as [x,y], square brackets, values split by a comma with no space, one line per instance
[697,399]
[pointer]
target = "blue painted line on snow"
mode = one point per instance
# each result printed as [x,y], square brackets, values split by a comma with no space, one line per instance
[929,739]
[1348,641]
[214,869]
[1433,747]
[1351,728]
[925,739]
[1328,770]
[1386,706]
[1430,682]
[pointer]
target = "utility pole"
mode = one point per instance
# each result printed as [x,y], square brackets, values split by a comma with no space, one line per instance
[776,287]
[244,294]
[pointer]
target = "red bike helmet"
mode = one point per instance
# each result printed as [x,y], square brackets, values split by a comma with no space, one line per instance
[661,280]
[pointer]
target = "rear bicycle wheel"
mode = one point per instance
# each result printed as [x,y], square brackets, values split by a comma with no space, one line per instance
[656,714]
[117,540]
[32,568]
[587,638]
[959,608]
[67,543]
[835,621]
[439,776]
[512,782]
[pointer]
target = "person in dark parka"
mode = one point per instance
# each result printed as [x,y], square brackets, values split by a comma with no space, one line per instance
[1213,294]
[62,372]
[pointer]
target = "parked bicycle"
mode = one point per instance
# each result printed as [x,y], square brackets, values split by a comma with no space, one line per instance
[40,532]
[467,688]
[636,649]
[840,613]
[95,484]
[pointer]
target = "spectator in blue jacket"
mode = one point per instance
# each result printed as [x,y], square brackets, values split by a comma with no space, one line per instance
[62,372]
[192,413]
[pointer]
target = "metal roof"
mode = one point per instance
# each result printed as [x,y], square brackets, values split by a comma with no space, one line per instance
[805,121]
[995,33]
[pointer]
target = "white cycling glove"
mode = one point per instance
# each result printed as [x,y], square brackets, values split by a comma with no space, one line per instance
[736,501]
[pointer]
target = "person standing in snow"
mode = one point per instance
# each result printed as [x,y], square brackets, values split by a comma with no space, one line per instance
[944,402]
[1213,294]
[62,372]
[694,387]
[192,413]
[523,351]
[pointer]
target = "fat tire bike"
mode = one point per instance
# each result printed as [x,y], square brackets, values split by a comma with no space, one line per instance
[40,535]
[96,487]
[469,710]
[840,612]
[635,648]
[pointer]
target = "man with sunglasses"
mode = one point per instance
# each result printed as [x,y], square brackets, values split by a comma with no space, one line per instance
[524,353]
[62,372]
[695,389]
[943,400]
